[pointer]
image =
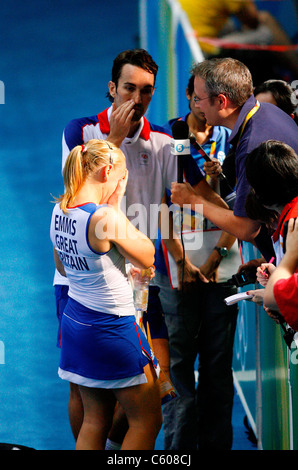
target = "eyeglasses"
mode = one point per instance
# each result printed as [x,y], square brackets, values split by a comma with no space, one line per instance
[197,99]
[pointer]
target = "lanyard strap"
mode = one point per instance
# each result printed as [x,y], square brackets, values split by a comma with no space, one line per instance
[212,149]
[248,116]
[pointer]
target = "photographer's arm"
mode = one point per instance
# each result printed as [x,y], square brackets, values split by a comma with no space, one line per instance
[286,268]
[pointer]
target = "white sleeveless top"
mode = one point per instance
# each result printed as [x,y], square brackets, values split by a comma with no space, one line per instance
[97,280]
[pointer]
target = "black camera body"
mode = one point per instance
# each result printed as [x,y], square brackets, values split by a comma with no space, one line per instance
[246,276]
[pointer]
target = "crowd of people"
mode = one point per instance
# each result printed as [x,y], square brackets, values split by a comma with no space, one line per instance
[238,22]
[121,191]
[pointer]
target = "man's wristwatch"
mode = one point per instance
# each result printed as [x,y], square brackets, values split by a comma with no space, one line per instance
[222,250]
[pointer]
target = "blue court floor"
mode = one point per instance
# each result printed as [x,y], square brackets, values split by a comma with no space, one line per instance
[56,58]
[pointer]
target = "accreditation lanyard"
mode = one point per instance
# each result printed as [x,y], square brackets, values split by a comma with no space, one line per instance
[247,118]
[211,154]
[212,149]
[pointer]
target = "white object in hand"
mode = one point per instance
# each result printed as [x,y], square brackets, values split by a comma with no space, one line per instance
[237,297]
[141,289]
[140,298]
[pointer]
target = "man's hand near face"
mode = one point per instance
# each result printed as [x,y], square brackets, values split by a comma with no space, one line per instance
[120,122]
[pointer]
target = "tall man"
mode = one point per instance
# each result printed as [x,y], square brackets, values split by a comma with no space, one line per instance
[199,323]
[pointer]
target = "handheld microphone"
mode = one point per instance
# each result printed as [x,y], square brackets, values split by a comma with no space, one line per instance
[206,157]
[198,147]
[180,144]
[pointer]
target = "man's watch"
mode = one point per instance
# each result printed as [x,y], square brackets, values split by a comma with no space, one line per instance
[222,250]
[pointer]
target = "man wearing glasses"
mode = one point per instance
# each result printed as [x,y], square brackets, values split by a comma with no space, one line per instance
[224,91]
[201,329]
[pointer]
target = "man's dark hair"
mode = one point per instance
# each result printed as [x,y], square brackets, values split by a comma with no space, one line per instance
[138,58]
[272,172]
[256,211]
[191,85]
[281,92]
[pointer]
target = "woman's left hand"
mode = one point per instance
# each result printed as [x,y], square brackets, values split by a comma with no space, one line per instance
[257,296]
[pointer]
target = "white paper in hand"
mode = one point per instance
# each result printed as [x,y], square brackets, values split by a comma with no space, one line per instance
[237,297]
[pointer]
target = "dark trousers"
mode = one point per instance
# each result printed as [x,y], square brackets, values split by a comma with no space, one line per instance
[201,326]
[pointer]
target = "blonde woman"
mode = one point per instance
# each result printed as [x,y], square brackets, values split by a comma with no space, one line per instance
[103,351]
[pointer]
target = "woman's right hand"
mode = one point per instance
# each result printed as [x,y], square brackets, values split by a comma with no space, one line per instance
[263,273]
[117,195]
